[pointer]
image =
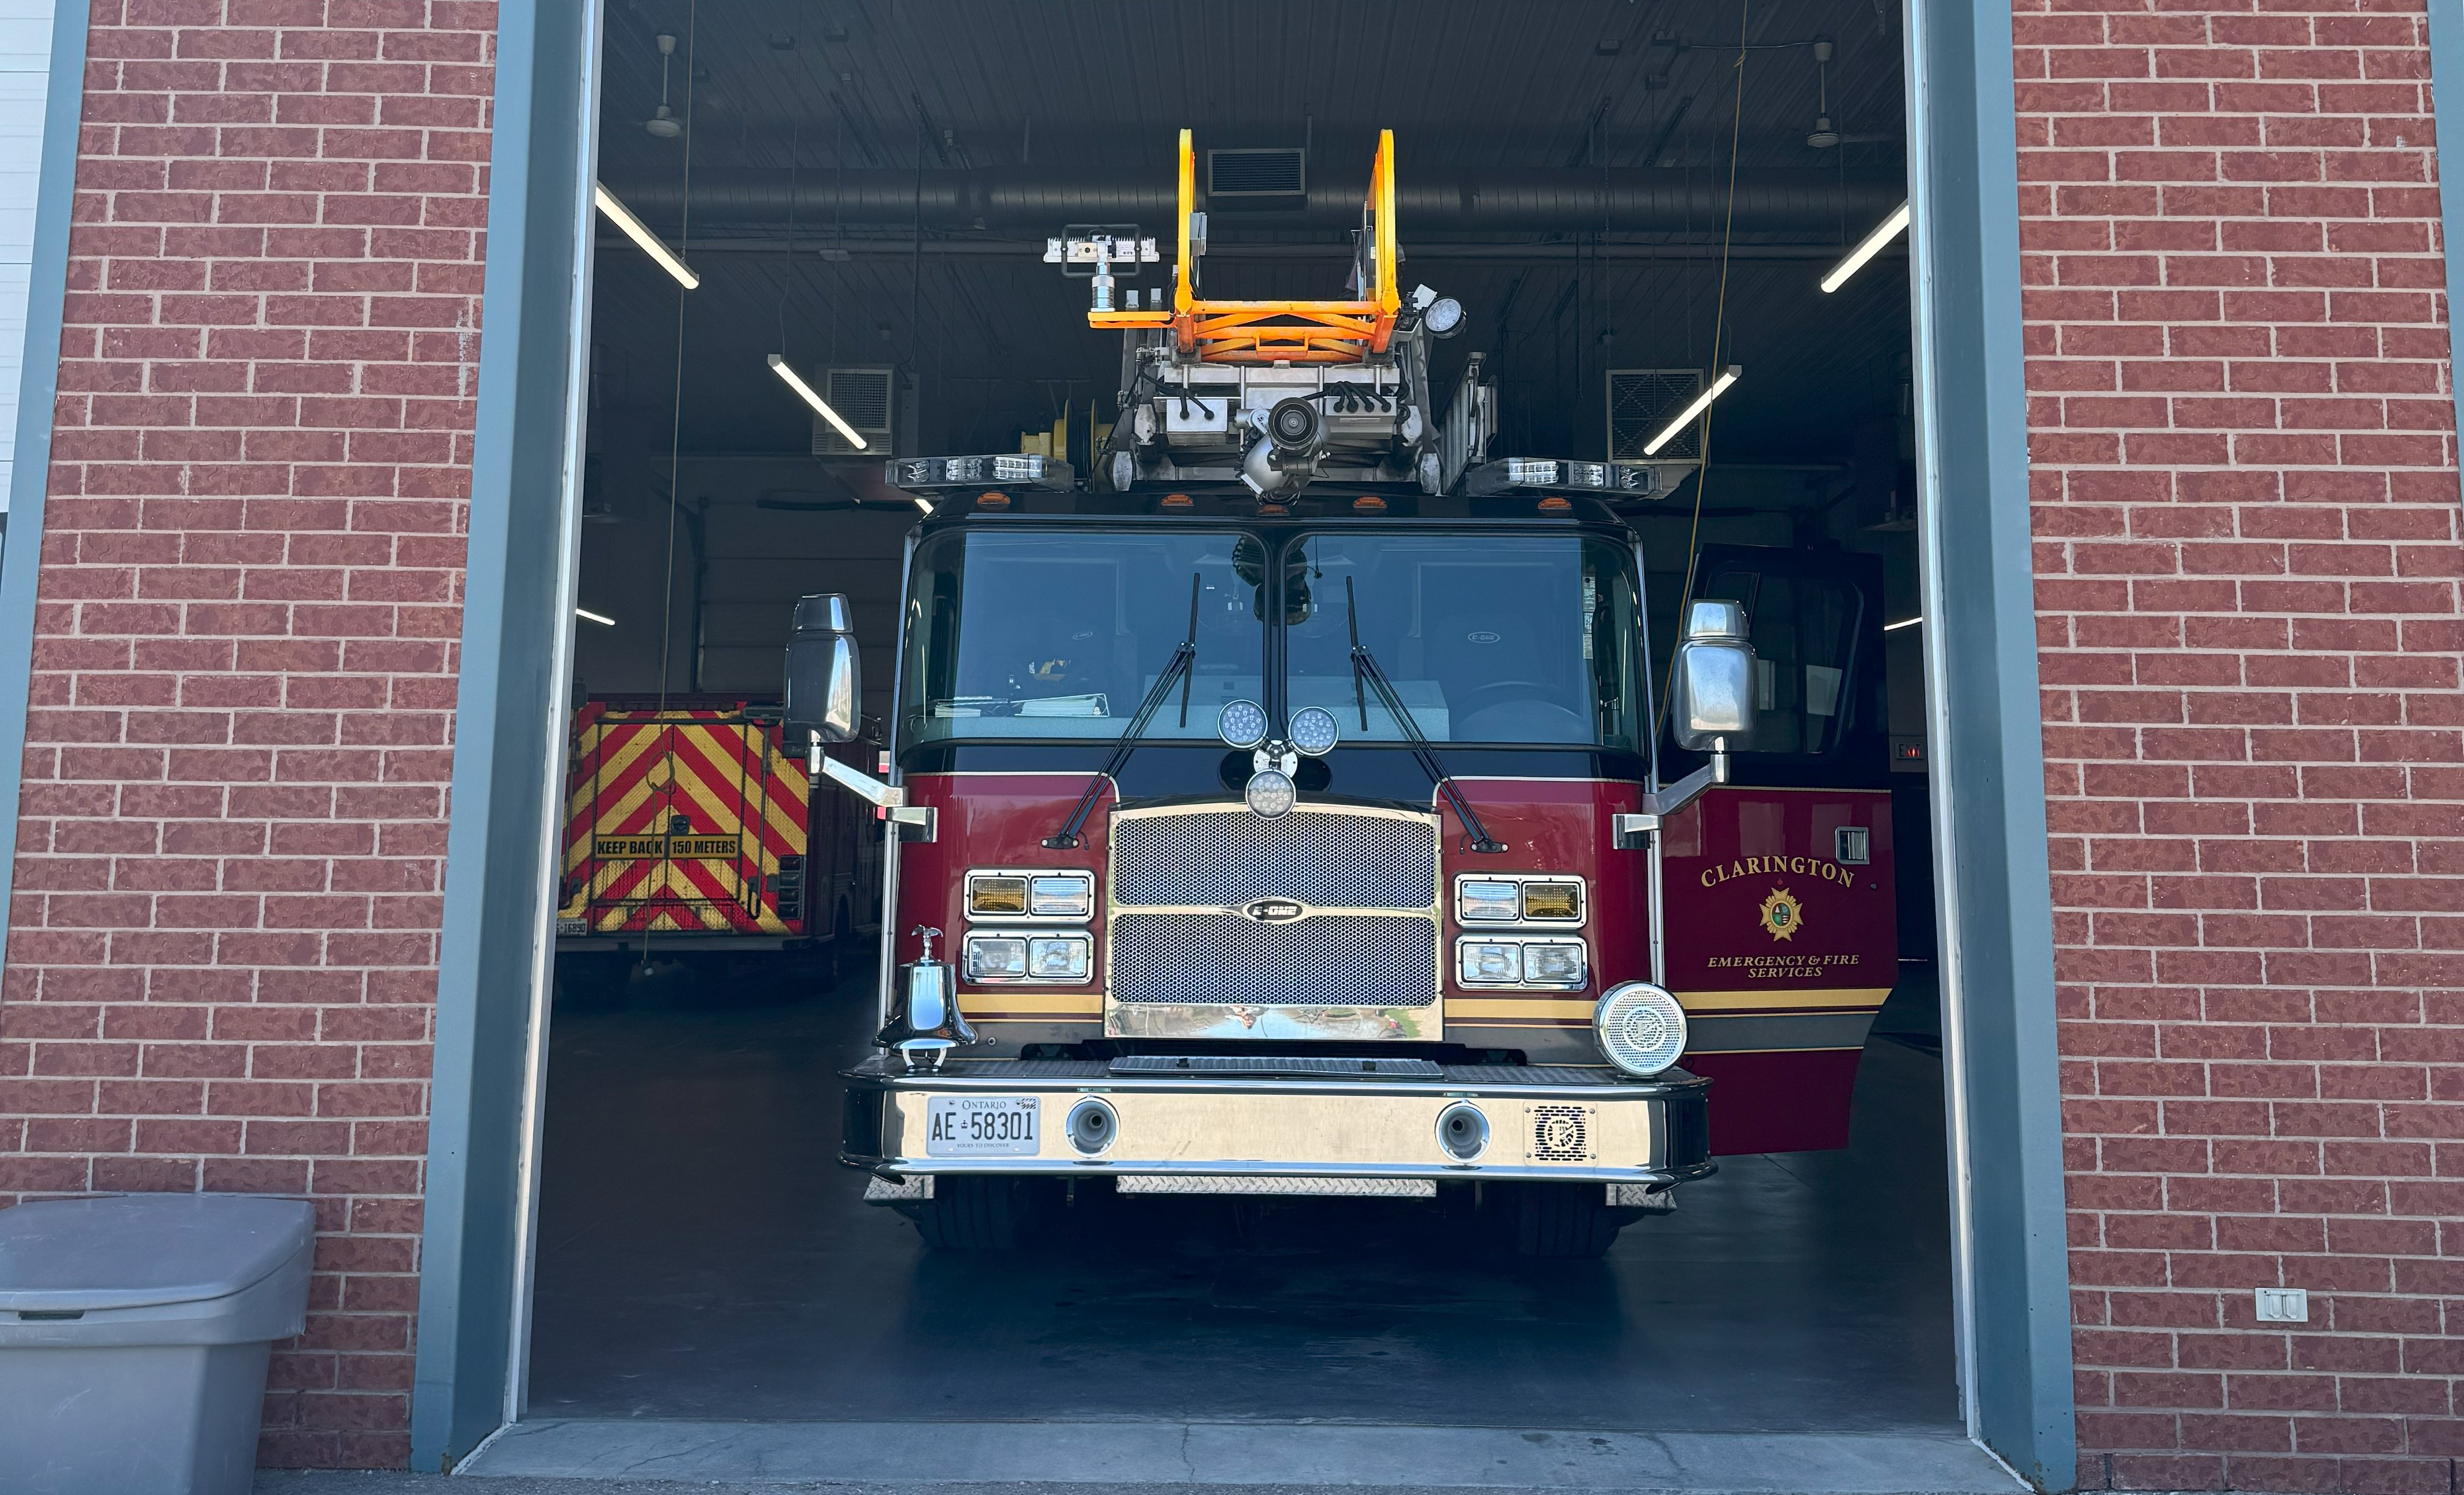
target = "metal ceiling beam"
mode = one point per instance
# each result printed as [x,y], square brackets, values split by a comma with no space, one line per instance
[1631,199]
[1033,250]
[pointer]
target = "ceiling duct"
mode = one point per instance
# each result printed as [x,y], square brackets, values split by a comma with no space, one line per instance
[1636,199]
[1257,179]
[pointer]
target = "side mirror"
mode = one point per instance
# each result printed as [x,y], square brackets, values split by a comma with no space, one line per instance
[1713,710]
[825,692]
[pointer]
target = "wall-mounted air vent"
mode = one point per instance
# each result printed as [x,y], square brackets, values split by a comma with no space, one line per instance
[862,397]
[1244,176]
[1640,404]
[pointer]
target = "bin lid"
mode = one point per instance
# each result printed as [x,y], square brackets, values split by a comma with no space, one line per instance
[144,1250]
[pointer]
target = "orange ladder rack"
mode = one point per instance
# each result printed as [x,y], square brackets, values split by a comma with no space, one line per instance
[1281,332]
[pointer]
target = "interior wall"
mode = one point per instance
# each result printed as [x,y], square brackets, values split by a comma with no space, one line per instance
[749,534]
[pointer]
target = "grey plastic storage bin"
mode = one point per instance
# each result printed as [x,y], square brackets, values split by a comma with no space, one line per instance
[134,1332]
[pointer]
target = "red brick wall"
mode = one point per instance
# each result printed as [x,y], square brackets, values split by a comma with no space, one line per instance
[223,945]
[2245,502]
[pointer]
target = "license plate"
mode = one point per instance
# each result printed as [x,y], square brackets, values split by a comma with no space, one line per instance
[981,1126]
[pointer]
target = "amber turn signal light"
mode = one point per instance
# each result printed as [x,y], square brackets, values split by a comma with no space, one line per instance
[1557,901]
[996,896]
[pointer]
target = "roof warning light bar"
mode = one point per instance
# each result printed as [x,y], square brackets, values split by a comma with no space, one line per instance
[1602,477]
[1018,468]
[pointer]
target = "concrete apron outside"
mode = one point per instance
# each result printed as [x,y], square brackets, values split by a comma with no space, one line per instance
[1253,1454]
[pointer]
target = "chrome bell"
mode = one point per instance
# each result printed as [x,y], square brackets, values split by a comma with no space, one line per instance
[925,1022]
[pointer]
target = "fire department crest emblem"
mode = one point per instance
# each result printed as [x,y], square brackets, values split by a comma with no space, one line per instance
[1782,914]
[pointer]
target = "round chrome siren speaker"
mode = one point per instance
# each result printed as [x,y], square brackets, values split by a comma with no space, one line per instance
[1640,1027]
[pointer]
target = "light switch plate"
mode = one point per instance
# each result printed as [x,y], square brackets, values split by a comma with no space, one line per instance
[2283,1305]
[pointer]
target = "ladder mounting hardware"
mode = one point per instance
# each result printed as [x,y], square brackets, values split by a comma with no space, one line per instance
[1107,251]
[1270,333]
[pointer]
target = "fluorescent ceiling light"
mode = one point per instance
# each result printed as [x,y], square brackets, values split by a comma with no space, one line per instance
[922,502]
[1702,401]
[635,230]
[1891,227]
[779,366]
[587,616]
[1903,623]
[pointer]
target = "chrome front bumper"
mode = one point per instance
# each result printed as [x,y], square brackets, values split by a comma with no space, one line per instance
[1544,1122]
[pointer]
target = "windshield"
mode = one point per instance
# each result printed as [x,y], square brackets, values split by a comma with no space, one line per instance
[1060,636]
[1520,639]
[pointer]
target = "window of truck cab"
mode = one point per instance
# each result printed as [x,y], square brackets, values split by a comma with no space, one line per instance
[1804,629]
[1057,636]
[1521,639]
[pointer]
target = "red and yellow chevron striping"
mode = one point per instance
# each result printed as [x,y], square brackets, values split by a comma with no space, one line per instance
[677,818]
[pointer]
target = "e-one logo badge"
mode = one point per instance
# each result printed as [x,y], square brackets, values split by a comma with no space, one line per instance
[1782,914]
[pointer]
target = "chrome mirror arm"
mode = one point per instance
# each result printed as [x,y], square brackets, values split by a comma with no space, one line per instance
[1669,798]
[1658,805]
[866,787]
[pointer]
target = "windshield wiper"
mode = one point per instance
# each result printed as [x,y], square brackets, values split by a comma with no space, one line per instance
[1179,670]
[1364,666]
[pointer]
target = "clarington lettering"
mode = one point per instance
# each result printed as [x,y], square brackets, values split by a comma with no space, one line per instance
[1770,865]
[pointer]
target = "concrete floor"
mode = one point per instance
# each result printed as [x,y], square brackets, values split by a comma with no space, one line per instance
[701,1256]
[1928,1473]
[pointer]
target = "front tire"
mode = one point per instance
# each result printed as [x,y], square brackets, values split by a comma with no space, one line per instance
[1559,1222]
[971,1214]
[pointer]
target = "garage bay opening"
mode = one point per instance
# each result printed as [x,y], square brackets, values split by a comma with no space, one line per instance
[1248,742]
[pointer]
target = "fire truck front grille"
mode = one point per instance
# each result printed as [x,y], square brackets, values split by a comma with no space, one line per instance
[1347,960]
[1327,858]
[1325,907]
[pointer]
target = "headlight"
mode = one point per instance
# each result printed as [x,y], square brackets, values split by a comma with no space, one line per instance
[995,958]
[1554,903]
[1519,898]
[1271,793]
[1057,958]
[1486,902]
[996,895]
[1062,895]
[1640,1027]
[1490,962]
[1242,724]
[1314,732]
[1553,963]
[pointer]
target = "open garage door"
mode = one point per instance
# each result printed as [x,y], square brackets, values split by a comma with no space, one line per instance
[1468,406]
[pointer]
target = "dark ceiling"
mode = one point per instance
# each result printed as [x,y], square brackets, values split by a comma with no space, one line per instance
[795,104]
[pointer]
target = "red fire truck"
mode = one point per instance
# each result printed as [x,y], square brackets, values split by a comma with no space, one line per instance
[692,835]
[1288,809]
